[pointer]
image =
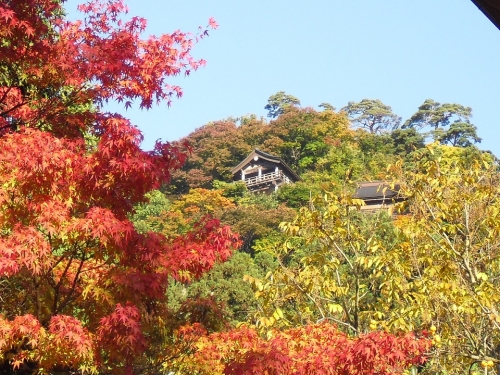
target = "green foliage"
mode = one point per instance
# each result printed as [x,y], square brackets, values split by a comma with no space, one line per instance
[225,284]
[254,131]
[372,115]
[297,195]
[327,107]
[261,200]
[237,189]
[253,222]
[342,163]
[435,115]
[279,102]
[407,140]
[156,205]
[450,122]
[460,134]
[377,152]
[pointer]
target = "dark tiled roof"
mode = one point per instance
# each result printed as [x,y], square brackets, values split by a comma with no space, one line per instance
[491,9]
[376,190]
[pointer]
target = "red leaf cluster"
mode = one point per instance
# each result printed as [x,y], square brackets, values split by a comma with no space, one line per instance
[65,230]
[77,279]
[313,349]
[69,343]
[121,334]
[53,63]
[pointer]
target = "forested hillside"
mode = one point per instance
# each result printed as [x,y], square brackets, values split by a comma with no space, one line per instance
[356,143]
[116,260]
[306,256]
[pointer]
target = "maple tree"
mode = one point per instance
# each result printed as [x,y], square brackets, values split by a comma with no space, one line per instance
[216,146]
[312,349]
[81,289]
[253,216]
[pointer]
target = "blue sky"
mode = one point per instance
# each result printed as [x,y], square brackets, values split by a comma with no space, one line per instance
[401,52]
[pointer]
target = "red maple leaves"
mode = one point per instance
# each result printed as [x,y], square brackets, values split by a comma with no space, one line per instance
[54,64]
[313,349]
[77,278]
[80,286]
[63,212]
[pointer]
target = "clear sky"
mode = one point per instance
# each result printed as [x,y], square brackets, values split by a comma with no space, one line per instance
[401,52]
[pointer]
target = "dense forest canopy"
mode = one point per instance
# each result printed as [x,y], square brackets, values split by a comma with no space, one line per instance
[313,258]
[116,260]
[355,143]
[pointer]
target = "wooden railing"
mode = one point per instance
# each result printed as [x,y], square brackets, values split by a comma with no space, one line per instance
[267,177]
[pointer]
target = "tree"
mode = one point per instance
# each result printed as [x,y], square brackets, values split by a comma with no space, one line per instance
[451,123]
[279,102]
[434,114]
[460,134]
[372,115]
[255,221]
[323,271]
[432,269]
[301,135]
[156,205]
[377,151]
[179,216]
[407,140]
[313,349]
[327,107]
[216,148]
[297,195]
[449,262]
[225,284]
[81,289]
[46,64]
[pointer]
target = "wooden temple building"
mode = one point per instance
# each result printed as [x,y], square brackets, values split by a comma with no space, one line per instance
[263,172]
[377,196]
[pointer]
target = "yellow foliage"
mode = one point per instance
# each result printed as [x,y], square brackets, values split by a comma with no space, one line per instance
[436,265]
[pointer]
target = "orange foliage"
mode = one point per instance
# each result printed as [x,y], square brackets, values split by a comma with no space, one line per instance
[78,283]
[313,349]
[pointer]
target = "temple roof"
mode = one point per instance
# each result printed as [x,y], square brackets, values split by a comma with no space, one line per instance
[271,158]
[376,190]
